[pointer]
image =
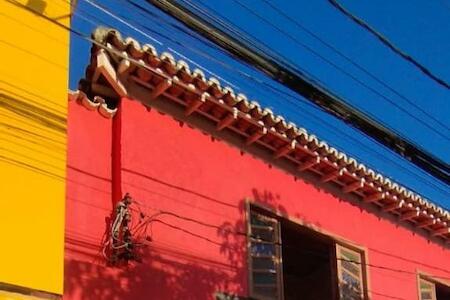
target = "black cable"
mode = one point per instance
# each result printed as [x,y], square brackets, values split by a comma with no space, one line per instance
[328,101]
[286,94]
[345,72]
[274,89]
[386,296]
[202,39]
[303,85]
[189,219]
[381,155]
[324,123]
[389,44]
[354,63]
[419,120]
[188,232]
[216,226]
[240,233]
[267,47]
[344,134]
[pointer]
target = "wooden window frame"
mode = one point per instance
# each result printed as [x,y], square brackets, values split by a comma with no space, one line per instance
[337,241]
[279,260]
[433,292]
[362,265]
[432,280]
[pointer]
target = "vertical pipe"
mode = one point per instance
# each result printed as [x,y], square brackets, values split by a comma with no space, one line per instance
[116,156]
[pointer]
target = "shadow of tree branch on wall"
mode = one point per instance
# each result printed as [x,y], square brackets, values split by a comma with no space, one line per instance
[163,275]
[171,273]
[234,235]
[168,272]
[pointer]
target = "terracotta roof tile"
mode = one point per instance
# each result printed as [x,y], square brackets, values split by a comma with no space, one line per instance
[261,125]
[96,104]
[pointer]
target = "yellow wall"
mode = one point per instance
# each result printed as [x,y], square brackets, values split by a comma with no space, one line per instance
[33,102]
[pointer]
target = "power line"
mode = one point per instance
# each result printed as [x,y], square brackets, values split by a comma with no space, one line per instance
[393,103]
[389,44]
[354,63]
[190,219]
[333,129]
[245,234]
[122,21]
[371,150]
[315,254]
[317,54]
[247,76]
[211,58]
[134,28]
[139,31]
[284,73]
[285,94]
[279,91]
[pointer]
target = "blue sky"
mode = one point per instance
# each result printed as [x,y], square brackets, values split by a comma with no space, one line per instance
[420,28]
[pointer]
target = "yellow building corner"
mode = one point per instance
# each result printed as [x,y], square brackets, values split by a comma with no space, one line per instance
[33,108]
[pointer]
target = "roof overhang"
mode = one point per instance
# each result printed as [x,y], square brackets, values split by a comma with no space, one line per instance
[122,68]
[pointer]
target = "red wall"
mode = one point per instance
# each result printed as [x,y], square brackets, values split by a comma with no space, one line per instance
[170,167]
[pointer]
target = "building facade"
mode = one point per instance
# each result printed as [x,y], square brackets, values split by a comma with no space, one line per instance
[154,182]
[224,200]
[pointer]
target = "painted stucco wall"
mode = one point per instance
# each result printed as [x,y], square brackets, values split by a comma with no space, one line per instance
[171,167]
[33,109]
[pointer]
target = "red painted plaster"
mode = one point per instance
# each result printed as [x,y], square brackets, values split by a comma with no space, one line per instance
[166,166]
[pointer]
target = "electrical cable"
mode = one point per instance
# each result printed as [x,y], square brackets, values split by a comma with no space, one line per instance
[190,48]
[304,251]
[347,136]
[223,64]
[354,63]
[291,96]
[237,232]
[242,36]
[389,44]
[348,74]
[121,21]
[350,261]
[109,13]
[394,161]
[303,85]
[209,57]
[382,156]
[299,250]
[128,24]
[379,142]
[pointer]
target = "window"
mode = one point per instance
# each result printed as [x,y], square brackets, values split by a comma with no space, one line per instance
[433,290]
[427,290]
[288,261]
[350,273]
[265,256]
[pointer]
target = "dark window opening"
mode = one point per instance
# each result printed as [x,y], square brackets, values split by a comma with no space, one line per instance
[442,292]
[431,290]
[289,261]
[307,264]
